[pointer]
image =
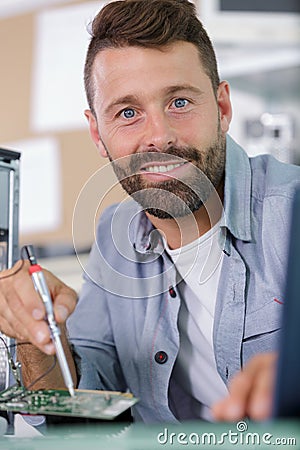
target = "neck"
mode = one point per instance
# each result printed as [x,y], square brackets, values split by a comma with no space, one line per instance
[183,230]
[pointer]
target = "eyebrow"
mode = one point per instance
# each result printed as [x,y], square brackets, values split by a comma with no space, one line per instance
[127,99]
[133,99]
[183,87]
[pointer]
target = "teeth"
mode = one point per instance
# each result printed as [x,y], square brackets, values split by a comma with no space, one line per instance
[162,169]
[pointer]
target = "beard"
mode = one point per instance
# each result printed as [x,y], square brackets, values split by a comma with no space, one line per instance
[174,198]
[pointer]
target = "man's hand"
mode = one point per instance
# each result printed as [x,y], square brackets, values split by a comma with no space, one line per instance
[22,311]
[250,391]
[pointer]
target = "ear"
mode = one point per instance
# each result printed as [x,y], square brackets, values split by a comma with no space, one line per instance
[94,132]
[223,99]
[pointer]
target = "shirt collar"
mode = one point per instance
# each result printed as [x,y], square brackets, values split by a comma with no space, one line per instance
[142,233]
[237,195]
[237,202]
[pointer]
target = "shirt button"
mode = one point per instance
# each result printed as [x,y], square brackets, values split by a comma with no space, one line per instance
[161,357]
[172,292]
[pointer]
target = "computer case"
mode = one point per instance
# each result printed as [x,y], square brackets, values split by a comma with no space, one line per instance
[9,234]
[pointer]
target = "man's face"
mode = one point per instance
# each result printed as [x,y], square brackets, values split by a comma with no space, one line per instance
[159,122]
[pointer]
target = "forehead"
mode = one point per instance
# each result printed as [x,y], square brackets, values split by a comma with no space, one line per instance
[131,67]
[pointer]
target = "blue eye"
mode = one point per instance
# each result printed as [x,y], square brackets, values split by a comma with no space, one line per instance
[128,113]
[180,102]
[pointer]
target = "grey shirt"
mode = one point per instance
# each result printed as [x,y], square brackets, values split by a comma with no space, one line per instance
[124,330]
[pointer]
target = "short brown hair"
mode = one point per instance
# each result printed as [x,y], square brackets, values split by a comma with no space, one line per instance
[148,23]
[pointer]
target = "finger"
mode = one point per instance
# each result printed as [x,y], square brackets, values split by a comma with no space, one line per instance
[18,292]
[260,400]
[33,331]
[7,330]
[9,311]
[250,391]
[20,306]
[65,298]
[233,407]
[11,329]
[22,309]
[22,317]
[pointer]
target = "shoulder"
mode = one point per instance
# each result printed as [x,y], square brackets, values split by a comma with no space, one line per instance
[273,189]
[272,178]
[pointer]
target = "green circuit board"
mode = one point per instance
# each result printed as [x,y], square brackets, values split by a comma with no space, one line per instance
[90,404]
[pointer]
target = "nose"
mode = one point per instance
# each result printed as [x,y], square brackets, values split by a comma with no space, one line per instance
[159,133]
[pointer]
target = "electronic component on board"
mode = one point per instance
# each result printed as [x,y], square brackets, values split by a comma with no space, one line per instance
[105,405]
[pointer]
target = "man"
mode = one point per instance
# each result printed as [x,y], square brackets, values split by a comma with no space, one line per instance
[179,293]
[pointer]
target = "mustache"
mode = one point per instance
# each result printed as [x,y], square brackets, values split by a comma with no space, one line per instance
[137,160]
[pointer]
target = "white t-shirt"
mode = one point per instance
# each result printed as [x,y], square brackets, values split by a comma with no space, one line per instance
[199,263]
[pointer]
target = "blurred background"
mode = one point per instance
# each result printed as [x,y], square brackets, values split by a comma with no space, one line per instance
[42,50]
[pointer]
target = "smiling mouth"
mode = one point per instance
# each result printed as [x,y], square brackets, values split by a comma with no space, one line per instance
[162,168]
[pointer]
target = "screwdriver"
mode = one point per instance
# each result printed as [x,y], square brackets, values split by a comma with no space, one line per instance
[41,287]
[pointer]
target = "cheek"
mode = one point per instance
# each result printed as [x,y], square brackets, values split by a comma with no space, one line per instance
[200,130]
[118,144]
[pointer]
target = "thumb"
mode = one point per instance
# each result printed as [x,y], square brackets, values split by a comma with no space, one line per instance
[64,298]
[64,304]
